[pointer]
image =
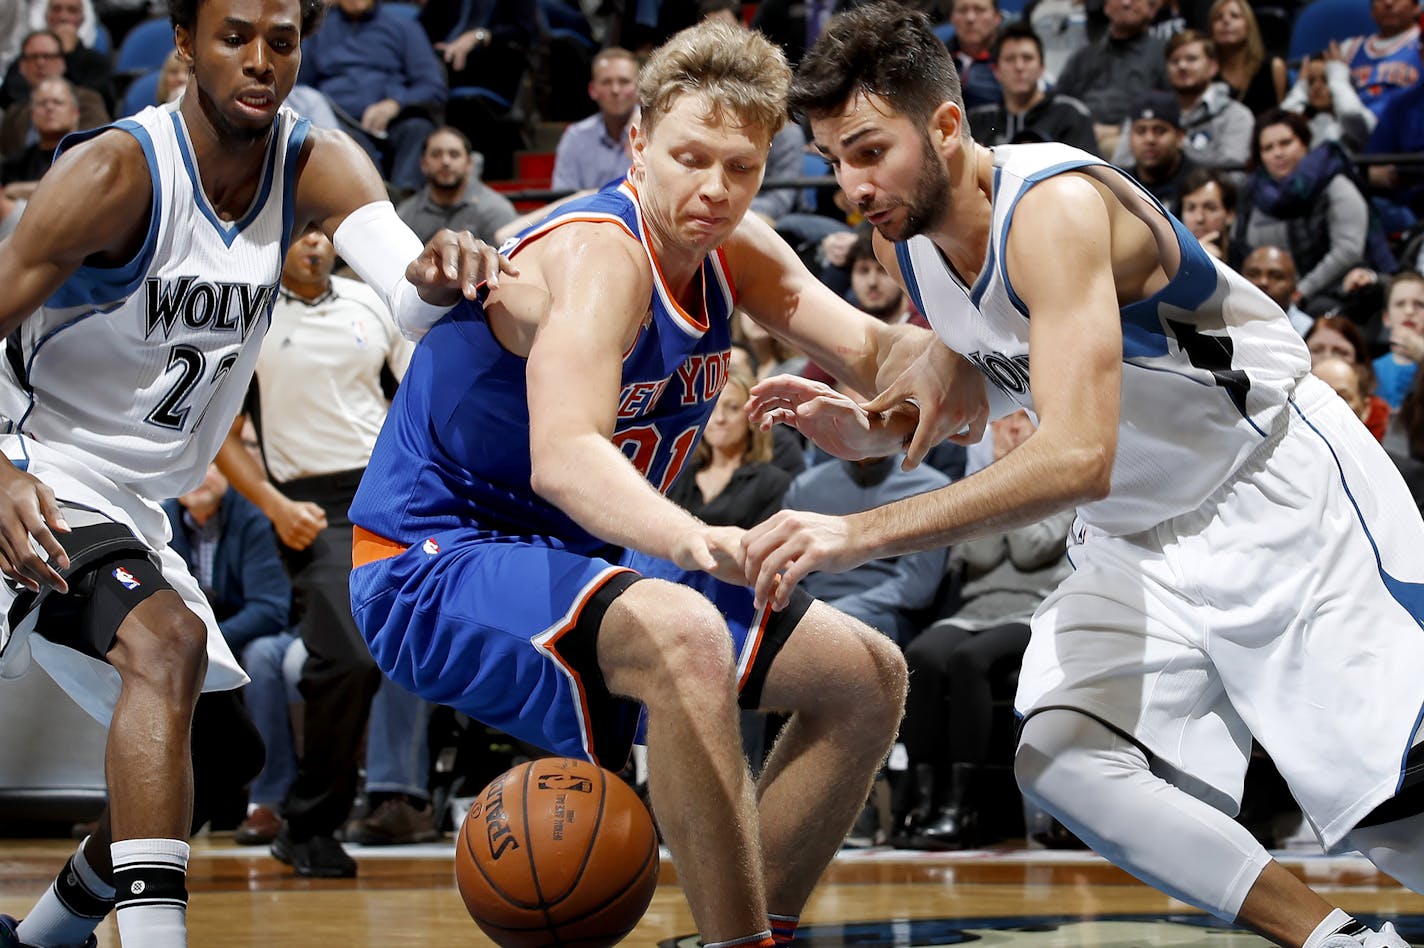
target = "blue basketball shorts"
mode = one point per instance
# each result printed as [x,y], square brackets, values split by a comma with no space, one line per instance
[505,629]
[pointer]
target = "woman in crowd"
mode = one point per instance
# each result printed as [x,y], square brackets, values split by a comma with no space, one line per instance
[1335,337]
[1303,199]
[1255,79]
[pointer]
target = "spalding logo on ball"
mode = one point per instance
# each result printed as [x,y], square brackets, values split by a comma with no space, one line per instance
[555,852]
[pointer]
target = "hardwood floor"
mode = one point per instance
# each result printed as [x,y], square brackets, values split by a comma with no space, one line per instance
[404,896]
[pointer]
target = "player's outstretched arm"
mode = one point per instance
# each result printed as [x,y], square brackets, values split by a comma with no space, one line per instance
[599,284]
[1069,289]
[341,192]
[935,393]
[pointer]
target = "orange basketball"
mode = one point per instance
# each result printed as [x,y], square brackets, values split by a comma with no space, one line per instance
[557,852]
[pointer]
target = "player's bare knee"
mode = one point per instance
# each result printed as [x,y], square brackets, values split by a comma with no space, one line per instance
[659,639]
[163,649]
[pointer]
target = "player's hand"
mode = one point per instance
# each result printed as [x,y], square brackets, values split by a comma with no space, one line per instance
[457,51]
[783,550]
[298,522]
[378,116]
[836,247]
[29,516]
[833,421]
[1406,343]
[454,264]
[715,550]
[949,391]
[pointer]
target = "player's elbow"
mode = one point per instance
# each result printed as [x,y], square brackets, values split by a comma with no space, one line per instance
[1088,472]
[548,476]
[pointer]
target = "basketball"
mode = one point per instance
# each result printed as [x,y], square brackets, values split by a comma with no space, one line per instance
[557,852]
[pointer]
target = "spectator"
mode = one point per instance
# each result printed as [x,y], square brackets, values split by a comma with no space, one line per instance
[1272,271]
[1155,143]
[594,151]
[40,59]
[1405,441]
[1107,74]
[1325,95]
[975,23]
[172,79]
[1209,211]
[794,24]
[452,197]
[1347,381]
[485,44]
[785,160]
[1303,200]
[1386,63]
[55,114]
[887,594]
[319,402]
[1337,337]
[399,810]
[229,546]
[1025,112]
[1217,128]
[83,66]
[1401,129]
[378,71]
[1404,319]
[1257,81]
[955,662]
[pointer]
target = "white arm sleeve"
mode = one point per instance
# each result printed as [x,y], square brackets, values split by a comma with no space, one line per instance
[379,245]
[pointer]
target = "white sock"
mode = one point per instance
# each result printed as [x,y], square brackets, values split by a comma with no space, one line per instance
[1337,921]
[71,908]
[150,882]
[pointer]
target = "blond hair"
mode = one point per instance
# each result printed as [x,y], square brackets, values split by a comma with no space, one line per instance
[737,70]
[1255,53]
[759,443]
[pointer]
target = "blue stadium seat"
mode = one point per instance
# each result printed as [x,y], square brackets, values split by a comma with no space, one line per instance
[944,31]
[145,47]
[405,9]
[103,43]
[1325,20]
[141,93]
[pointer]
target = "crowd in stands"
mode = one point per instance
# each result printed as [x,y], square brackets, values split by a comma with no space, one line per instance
[1296,160]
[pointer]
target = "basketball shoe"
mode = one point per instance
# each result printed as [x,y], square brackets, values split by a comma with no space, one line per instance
[1386,937]
[9,939]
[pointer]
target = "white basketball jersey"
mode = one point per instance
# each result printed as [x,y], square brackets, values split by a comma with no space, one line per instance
[137,371]
[1209,361]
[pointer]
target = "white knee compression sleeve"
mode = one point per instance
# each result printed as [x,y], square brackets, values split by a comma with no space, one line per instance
[1397,848]
[1101,786]
[379,246]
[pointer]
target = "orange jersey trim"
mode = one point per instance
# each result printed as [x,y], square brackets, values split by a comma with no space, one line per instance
[367,547]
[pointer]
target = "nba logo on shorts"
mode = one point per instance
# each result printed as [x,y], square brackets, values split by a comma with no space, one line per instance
[126,578]
[430,546]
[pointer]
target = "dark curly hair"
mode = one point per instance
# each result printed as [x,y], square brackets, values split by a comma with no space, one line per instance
[184,13]
[880,48]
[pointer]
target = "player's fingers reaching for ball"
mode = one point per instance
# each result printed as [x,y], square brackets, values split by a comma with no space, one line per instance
[782,550]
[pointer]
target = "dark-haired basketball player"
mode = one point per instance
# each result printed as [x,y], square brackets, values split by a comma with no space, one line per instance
[1246,557]
[137,289]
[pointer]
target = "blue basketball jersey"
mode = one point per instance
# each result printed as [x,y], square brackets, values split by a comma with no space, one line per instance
[454,451]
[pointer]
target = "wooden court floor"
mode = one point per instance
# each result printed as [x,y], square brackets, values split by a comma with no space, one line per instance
[404,896]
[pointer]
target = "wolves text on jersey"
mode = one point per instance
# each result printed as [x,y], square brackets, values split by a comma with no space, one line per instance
[221,307]
[1009,373]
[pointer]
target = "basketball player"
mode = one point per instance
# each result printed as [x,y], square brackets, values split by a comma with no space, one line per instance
[1246,557]
[518,561]
[136,292]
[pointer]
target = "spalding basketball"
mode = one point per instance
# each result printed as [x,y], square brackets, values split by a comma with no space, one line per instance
[557,852]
